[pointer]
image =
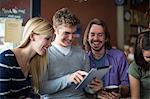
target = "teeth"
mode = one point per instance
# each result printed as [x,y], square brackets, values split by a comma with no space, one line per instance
[69,41]
[96,43]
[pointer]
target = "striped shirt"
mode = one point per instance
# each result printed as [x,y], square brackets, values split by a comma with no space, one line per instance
[13,83]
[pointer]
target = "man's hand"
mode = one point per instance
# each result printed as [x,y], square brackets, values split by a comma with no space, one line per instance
[77,76]
[108,95]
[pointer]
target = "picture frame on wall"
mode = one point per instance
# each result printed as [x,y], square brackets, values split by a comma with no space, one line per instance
[18,9]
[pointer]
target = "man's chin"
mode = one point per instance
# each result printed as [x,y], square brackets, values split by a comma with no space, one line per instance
[96,49]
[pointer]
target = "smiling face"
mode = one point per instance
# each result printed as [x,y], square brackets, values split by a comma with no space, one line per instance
[40,43]
[96,37]
[146,55]
[65,35]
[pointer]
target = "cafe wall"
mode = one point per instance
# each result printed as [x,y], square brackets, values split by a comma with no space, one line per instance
[85,10]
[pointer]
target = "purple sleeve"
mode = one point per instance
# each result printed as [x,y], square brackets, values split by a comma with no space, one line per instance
[123,70]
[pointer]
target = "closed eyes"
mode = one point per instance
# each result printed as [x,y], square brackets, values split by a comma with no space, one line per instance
[147,56]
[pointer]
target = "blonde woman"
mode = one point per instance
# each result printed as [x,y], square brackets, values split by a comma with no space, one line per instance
[21,68]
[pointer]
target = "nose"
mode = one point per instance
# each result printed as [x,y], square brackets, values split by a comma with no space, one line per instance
[71,36]
[95,37]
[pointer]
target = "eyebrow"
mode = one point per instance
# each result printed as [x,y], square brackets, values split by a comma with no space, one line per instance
[70,32]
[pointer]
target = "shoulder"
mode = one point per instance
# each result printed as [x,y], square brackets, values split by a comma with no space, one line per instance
[134,70]
[133,66]
[52,49]
[115,52]
[49,48]
[78,50]
[6,54]
[6,58]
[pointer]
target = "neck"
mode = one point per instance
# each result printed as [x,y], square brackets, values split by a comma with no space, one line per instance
[24,56]
[98,54]
[56,42]
[27,53]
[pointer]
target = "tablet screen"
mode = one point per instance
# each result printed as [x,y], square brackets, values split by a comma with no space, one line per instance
[93,73]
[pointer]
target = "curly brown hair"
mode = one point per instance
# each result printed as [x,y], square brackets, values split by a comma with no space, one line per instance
[65,17]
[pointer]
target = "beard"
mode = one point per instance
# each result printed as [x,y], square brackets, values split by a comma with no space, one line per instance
[95,47]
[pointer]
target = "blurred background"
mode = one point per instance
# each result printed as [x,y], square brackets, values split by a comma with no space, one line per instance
[124,18]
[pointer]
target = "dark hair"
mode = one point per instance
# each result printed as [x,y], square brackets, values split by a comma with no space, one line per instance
[107,35]
[65,17]
[142,42]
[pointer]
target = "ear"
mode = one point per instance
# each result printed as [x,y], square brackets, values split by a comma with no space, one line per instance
[32,37]
[55,29]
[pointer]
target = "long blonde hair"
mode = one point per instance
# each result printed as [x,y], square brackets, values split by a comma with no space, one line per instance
[38,64]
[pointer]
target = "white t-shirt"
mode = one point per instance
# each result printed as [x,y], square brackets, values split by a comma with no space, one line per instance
[64,50]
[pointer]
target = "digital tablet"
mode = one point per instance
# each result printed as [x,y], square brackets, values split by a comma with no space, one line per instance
[93,73]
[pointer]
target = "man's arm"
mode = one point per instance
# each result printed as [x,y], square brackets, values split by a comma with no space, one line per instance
[52,86]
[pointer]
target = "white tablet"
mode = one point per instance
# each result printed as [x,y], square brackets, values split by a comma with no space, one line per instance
[93,73]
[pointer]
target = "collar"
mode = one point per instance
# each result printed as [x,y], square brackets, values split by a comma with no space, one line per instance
[107,52]
[107,61]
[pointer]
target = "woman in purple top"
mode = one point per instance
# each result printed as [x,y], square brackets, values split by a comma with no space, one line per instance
[97,44]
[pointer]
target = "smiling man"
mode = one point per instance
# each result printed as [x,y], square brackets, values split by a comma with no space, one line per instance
[67,63]
[97,44]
